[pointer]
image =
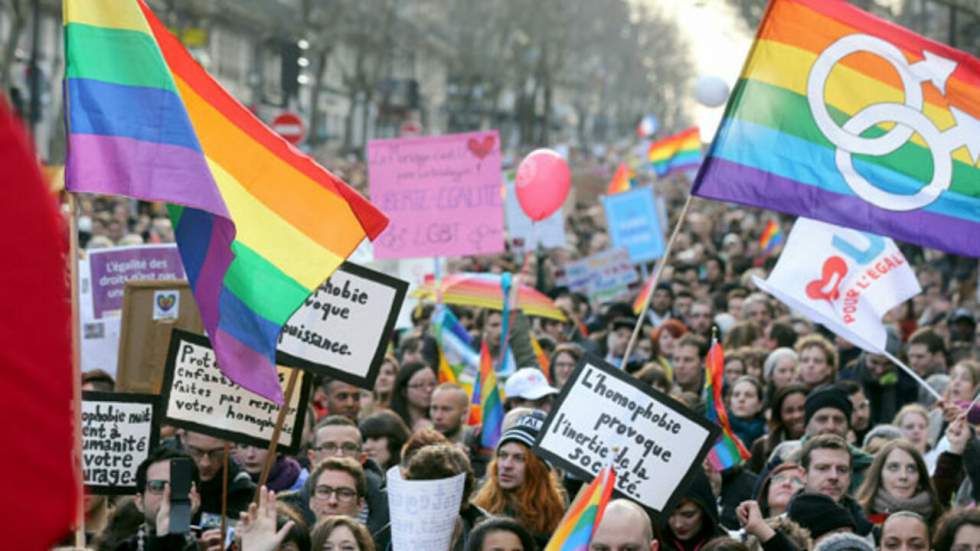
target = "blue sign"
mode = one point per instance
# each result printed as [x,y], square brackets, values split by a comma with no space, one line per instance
[634,224]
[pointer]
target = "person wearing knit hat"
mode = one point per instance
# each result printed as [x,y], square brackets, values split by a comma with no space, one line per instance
[827,410]
[843,542]
[524,430]
[819,514]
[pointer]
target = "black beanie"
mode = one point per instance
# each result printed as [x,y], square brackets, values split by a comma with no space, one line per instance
[819,514]
[827,396]
[525,429]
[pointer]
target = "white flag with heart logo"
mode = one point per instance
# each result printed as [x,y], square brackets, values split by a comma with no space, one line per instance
[843,279]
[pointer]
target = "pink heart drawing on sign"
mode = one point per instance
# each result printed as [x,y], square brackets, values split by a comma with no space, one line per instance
[166,302]
[827,287]
[481,148]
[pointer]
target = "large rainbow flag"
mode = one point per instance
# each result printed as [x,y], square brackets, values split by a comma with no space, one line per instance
[728,451]
[678,153]
[852,120]
[259,225]
[574,532]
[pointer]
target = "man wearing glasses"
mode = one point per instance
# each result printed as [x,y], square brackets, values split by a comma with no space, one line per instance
[337,487]
[153,500]
[208,454]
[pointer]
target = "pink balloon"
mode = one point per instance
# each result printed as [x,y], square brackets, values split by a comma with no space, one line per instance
[542,183]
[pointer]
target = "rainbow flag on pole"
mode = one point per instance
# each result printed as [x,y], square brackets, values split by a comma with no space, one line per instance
[728,451]
[486,405]
[678,153]
[259,225]
[623,180]
[771,237]
[458,361]
[574,532]
[849,119]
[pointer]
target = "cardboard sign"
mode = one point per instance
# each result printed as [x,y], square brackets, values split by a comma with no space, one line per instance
[144,340]
[423,512]
[118,432]
[343,329]
[604,416]
[525,235]
[110,269]
[604,276]
[441,193]
[198,397]
[634,225]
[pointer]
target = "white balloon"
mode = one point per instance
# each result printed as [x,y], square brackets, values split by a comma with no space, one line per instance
[711,91]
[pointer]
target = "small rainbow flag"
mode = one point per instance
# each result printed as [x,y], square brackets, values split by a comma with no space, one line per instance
[728,451]
[574,532]
[772,236]
[810,128]
[678,153]
[542,358]
[259,225]
[458,361]
[643,297]
[623,180]
[486,406]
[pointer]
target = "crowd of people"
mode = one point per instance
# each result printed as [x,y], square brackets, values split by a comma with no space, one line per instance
[847,450]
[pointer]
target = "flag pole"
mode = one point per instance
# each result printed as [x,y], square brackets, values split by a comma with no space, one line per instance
[76,364]
[270,458]
[657,270]
[912,374]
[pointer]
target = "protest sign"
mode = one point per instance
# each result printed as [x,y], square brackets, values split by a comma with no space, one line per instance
[634,225]
[342,330]
[423,512]
[110,269]
[118,432]
[603,277]
[198,397]
[99,337]
[144,339]
[549,233]
[604,416]
[441,193]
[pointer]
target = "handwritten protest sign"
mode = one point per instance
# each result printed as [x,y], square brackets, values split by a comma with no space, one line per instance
[110,269]
[604,415]
[604,276]
[118,432]
[423,512]
[441,193]
[343,329]
[549,233]
[197,396]
[634,225]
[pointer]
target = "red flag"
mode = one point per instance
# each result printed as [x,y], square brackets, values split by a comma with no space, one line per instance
[40,491]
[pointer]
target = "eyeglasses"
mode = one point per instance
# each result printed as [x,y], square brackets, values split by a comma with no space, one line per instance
[331,447]
[213,456]
[156,486]
[422,385]
[343,494]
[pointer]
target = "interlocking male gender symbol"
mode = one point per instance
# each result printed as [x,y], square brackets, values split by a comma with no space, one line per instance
[908,117]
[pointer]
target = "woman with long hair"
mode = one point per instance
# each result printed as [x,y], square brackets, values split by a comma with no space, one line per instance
[898,480]
[380,396]
[664,338]
[384,434]
[745,409]
[412,393]
[563,362]
[338,533]
[520,485]
[786,422]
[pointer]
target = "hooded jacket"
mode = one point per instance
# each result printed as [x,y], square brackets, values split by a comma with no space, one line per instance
[698,491]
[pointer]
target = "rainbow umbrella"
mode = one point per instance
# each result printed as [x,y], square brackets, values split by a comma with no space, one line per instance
[484,291]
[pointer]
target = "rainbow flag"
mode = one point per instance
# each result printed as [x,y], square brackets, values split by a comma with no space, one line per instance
[542,358]
[623,180]
[643,297]
[484,290]
[259,225]
[486,405]
[458,362]
[771,237]
[728,451]
[810,128]
[574,532]
[678,153]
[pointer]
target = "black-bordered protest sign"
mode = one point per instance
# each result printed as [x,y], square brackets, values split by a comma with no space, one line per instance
[605,416]
[342,330]
[118,432]
[198,397]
